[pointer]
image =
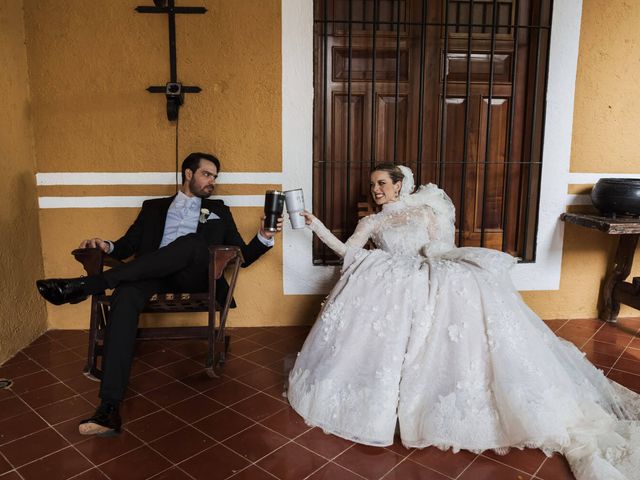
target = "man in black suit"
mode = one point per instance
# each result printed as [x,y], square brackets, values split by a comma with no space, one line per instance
[169,239]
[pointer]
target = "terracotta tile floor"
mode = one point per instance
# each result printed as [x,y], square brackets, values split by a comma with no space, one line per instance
[179,424]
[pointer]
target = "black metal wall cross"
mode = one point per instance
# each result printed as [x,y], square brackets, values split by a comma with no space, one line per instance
[173,90]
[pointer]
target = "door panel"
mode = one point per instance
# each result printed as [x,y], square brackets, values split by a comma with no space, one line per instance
[411,90]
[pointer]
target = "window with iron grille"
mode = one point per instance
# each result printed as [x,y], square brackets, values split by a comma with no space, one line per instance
[454,89]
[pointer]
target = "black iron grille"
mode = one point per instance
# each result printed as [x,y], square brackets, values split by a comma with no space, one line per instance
[454,89]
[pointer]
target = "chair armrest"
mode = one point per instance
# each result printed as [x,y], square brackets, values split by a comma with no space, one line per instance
[94,260]
[220,256]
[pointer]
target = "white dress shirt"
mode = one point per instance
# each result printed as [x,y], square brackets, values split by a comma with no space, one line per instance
[182,218]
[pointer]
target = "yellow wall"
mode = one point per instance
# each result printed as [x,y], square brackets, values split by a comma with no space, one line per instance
[22,313]
[607,104]
[90,62]
[605,140]
[92,114]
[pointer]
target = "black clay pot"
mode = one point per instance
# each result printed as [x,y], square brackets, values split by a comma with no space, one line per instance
[617,196]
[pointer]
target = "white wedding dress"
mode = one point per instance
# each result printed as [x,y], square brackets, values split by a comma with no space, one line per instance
[437,339]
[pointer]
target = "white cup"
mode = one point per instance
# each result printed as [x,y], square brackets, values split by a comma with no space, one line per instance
[294,200]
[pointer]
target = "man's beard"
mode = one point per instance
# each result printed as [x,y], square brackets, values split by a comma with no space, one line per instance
[202,193]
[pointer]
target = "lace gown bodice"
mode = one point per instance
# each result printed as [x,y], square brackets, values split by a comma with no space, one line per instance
[402,228]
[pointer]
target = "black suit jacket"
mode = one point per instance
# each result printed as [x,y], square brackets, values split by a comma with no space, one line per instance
[145,234]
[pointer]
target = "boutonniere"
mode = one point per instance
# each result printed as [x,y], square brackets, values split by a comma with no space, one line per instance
[204,214]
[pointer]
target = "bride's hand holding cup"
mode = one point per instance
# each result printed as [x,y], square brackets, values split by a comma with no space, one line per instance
[308,217]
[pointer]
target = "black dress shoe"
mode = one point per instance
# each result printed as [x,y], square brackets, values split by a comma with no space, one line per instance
[63,290]
[105,422]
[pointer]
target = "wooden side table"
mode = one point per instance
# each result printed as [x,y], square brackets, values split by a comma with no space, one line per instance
[615,290]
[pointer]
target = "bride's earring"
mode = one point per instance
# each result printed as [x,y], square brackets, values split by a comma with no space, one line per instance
[398,192]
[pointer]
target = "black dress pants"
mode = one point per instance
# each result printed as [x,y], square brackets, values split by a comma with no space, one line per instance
[181,266]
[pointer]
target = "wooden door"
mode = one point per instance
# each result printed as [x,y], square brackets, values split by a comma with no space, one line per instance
[429,85]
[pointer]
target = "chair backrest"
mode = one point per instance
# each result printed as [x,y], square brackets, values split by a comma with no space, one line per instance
[364,208]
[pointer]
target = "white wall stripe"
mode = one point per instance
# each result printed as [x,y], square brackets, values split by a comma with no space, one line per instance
[591,178]
[231,200]
[229,178]
[136,201]
[150,178]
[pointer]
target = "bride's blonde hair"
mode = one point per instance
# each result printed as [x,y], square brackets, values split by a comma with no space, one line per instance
[394,172]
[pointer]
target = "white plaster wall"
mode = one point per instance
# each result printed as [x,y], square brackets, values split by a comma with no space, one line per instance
[300,276]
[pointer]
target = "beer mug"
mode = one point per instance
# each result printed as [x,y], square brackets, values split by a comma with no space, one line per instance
[294,199]
[273,208]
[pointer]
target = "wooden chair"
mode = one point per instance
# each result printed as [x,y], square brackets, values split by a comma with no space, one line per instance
[364,207]
[364,210]
[220,258]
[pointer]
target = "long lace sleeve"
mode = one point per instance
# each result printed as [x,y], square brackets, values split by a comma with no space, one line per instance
[357,240]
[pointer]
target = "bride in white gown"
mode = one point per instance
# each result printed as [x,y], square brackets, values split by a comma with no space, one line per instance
[437,339]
